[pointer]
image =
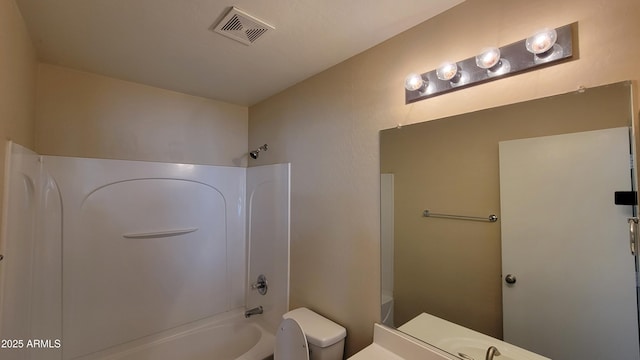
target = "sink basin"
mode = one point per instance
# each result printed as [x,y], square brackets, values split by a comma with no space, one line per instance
[476,349]
[461,341]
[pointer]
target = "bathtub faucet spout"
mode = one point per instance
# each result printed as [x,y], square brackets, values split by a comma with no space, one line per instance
[254,311]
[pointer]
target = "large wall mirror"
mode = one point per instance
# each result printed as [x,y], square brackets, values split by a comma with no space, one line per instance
[502,161]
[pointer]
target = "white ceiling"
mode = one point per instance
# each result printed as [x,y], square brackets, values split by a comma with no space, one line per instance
[167,43]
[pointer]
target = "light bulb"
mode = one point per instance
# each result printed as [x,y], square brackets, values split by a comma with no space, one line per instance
[541,41]
[488,58]
[447,70]
[414,82]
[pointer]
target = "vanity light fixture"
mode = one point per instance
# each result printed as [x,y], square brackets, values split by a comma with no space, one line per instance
[544,48]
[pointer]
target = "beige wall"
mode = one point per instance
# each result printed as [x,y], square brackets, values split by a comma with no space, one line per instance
[17,81]
[327,127]
[88,115]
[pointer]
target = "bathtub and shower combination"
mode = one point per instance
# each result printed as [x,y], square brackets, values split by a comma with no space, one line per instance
[138,260]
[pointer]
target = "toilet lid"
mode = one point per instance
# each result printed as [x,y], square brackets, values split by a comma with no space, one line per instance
[291,343]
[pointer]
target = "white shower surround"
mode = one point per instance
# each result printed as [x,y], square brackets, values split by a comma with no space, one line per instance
[119,279]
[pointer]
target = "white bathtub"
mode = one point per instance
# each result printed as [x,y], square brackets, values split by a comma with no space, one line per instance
[228,336]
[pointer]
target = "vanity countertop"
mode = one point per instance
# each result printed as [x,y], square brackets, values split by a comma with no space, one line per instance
[459,339]
[375,352]
[390,344]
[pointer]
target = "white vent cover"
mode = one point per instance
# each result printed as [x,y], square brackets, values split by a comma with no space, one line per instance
[242,27]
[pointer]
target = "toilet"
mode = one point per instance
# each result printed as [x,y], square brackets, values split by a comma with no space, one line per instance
[305,335]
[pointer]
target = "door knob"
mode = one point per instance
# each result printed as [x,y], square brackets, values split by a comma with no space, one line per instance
[510,279]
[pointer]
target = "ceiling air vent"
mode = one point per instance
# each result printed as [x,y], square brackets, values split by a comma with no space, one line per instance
[242,27]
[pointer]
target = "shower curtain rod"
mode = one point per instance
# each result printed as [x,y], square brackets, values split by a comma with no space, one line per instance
[490,218]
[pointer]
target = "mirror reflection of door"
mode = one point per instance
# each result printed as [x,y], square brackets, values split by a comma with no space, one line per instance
[566,260]
[450,268]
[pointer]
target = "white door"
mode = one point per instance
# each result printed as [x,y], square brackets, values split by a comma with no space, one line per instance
[567,244]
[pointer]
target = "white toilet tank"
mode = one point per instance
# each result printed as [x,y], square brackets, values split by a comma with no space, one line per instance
[325,338]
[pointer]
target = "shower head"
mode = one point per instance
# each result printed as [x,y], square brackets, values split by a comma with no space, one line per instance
[254,153]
